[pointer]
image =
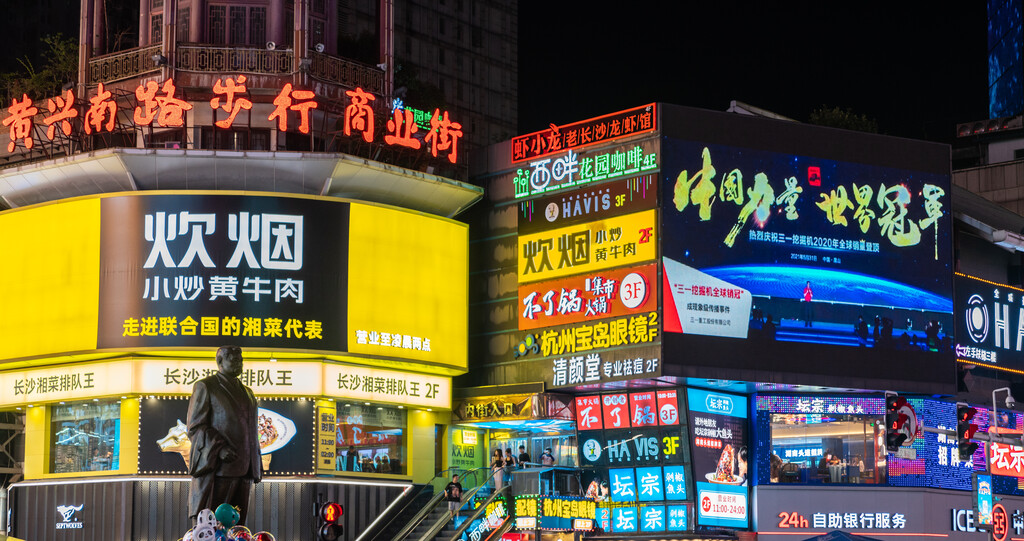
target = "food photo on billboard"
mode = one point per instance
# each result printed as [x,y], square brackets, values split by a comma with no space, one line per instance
[720,457]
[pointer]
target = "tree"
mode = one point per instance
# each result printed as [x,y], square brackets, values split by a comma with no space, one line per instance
[834,117]
[59,68]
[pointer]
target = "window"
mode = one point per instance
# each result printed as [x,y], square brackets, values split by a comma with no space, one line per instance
[156,29]
[218,19]
[158,4]
[84,436]
[183,24]
[257,27]
[828,448]
[237,25]
[371,439]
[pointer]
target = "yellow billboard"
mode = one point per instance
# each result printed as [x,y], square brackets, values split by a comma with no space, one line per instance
[167,271]
[592,246]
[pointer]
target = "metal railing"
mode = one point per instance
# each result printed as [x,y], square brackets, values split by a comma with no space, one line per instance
[123,64]
[332,69]
[471,481]
[209,58]
[477,513]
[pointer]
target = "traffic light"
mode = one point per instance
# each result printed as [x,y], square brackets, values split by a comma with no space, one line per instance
[965,431]
[894,421]
[330,522]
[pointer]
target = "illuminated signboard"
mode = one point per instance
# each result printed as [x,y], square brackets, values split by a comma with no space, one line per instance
[185,271]
[987,319]
[589,296]
[326,436]
[799,238]
[157,106]
[496,408]
[589,247]
[569,170]
[590,203]
[582,355]
[168,377]
[555,512]
[719,439]
[627,439]
[586,132]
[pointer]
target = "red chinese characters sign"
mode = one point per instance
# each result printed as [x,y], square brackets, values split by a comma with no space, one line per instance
[643,409]
[616,411]
[597,295]
[587,132]
[1006,459]
[588,412]
[156,105]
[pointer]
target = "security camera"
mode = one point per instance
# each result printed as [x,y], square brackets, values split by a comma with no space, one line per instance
[1010,402]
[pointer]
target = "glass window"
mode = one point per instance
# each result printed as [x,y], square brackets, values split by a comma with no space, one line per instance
[371,439]
[217,22]
[85,436]
[819,448]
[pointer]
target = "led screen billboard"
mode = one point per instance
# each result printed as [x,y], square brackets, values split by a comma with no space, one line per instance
[805,240]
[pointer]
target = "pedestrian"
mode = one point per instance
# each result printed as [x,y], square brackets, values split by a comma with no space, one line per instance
[453,494]
[524,457]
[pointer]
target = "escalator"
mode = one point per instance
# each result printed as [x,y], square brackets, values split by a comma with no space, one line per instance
[424,514]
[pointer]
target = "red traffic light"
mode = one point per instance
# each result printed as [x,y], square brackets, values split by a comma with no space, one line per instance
[965,413]
[331,512]
[894,403]
[969,432]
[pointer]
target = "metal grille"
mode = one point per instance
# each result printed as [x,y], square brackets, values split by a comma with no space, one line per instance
[257,26]
[184,20]
[332,69]
[156,34]
[217,59]
[237,22]
[123,65]
[218,21]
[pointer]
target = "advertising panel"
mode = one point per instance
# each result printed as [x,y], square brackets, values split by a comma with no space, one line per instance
[804,237]
[592,246]
[643,409]
[594,202]
[719,437]
[988,320]
[169,270]
[588,412]
[512,407]
[569,169]
[585,132]
[589,296]
[286,436]
[556,512]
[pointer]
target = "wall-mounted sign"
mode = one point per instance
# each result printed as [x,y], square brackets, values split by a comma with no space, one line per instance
[719,436]
[849,405]
[589,296]
[556,512]
[621,448]
[158,106]
[177,377]
[593,202]
[585,132]
[593,369]
[496,408]
[588,247]
[987,320]
[326,436]
[171,271]
[570,170]
[68,517]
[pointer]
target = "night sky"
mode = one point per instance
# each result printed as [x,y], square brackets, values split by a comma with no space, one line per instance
[916,67]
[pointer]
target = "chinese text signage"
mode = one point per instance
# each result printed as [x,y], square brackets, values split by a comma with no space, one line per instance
[579,134]
[591,296]
[568,170]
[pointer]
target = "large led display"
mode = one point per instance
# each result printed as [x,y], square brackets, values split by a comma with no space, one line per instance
[988,323]
[185,270]
[807,241]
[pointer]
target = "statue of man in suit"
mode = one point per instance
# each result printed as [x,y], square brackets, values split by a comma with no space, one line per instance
[222,426]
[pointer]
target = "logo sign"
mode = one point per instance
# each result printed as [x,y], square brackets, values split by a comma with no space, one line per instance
[590,296]
[1000,523]
[585,132]
[68,519]
[588,204]
[588,247]
[720,404]
[988,323]
[643,409]
[592,450]
[616,410]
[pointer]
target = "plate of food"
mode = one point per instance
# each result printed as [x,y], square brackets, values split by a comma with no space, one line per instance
[275,431]
[723,473]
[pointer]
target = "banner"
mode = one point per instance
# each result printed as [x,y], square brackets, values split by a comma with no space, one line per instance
[589,296]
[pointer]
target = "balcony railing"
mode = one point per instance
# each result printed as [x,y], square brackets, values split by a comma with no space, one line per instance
[122,65]
[204,58]
[331,69]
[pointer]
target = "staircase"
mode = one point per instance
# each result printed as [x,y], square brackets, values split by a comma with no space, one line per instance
[432,518]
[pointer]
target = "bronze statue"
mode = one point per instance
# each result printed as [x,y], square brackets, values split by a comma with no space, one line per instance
[222,425]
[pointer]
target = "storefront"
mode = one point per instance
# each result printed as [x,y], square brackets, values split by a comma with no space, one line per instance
[350,358]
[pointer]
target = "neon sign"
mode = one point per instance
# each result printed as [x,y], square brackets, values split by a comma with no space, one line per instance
[550,174]
[158,106]
[587,132]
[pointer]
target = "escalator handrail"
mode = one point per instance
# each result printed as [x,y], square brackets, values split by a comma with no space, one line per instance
[479,511]
[434,500]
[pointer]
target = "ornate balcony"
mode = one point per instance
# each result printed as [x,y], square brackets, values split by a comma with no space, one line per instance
[209,58]
[122,65]
[332,69]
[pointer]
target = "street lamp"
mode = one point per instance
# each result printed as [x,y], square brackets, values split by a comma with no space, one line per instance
[1010,403]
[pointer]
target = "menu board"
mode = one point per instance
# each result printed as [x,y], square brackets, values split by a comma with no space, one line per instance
[718,434]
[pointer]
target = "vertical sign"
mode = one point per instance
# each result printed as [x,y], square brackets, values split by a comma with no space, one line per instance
[642,409]
[588,412]
[668,407]
[719,436]
[616,411]
[326,434]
